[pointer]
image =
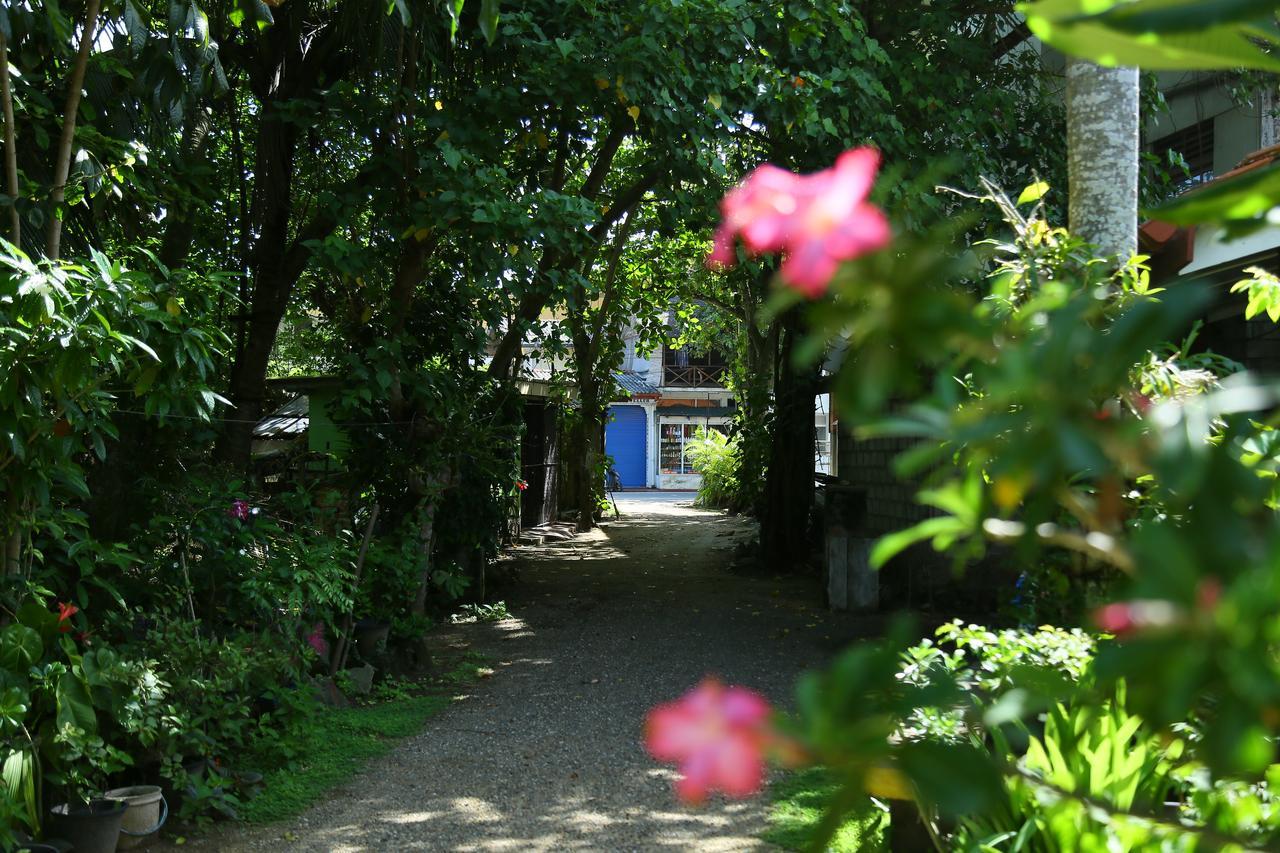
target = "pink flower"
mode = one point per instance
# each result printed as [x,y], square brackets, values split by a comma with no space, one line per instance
[239,510]
[1126,618]
[1115,619]
[815,220]
[521,485]
[717,735]
[317,641]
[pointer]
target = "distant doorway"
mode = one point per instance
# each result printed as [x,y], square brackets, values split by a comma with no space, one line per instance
[626,440]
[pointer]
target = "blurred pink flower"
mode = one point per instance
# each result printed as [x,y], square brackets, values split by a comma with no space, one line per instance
[239,510]
[317,641]
[1116,618]
[815,220]
[1126,618]
[717,735]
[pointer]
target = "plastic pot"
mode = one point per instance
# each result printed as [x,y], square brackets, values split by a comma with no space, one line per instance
[147,812]
[91,828]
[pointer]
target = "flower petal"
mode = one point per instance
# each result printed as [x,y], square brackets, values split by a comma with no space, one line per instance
[722,253]
[809,269]
[865,230]
[698,777]
[855,171]
[739,768]
[672,732]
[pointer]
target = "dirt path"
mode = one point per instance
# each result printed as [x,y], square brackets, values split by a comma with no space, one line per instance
[546,755]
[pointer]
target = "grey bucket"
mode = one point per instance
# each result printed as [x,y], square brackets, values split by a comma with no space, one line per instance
[147,812]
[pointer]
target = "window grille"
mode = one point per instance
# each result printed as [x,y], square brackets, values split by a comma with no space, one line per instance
[1195,145]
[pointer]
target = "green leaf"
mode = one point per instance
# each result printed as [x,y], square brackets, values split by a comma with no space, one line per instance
[566,47]
[14,703]
[74,706]
[454,8]
[890,545]
[1071,26]
[19,774]
[489,19]
[1178,16]
[452,156]
[136,26]
[1034,192]
[20,647]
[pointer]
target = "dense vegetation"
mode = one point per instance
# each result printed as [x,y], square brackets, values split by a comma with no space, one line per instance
[404,202]
[1059,411]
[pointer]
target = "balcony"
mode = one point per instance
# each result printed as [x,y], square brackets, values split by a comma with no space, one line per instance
[693,376]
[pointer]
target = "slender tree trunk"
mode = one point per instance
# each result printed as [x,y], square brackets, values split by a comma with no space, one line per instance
[62,166]
[586,452]
[1102,143]
[788,496]
[10,147]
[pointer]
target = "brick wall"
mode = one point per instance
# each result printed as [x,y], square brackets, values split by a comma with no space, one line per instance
[920,577]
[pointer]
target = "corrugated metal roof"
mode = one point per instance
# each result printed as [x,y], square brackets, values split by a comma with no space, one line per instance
[285,422]
[635,384]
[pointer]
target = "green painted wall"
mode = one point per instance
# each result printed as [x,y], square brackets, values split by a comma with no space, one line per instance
[323,435]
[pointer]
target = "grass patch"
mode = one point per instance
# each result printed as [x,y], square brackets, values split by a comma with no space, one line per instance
[334,743]
[798,803]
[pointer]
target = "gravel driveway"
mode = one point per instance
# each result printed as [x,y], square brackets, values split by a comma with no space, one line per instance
[546,754]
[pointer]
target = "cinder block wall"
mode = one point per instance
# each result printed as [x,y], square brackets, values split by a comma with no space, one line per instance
[920,577]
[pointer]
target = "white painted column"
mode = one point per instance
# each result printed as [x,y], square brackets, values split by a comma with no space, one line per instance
[651,444]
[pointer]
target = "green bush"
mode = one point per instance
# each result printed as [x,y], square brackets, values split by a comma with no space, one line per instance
[718,459]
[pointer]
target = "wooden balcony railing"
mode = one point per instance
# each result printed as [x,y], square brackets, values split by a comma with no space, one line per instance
[694,376]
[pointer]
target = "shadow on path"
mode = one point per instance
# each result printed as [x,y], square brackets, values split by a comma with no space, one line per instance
[546,755]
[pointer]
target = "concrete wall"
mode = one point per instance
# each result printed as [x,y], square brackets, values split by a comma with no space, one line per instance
[1194,97]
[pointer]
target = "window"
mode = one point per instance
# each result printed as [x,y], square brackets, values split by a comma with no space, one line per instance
[822,434]
[672,441]
[1194,145]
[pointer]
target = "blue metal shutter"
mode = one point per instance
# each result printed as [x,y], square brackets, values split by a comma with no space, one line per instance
[625,439]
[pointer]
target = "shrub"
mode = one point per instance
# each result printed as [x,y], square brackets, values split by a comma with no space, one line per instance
[718,458]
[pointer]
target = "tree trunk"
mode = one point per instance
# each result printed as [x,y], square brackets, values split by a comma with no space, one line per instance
[788,488]
[586,455]
[1102,143]
[10,147]
[273,282]
[292,63]
[180,229]
[62,165]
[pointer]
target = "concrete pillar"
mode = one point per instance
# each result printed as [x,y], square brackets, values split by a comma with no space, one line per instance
[851,582]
